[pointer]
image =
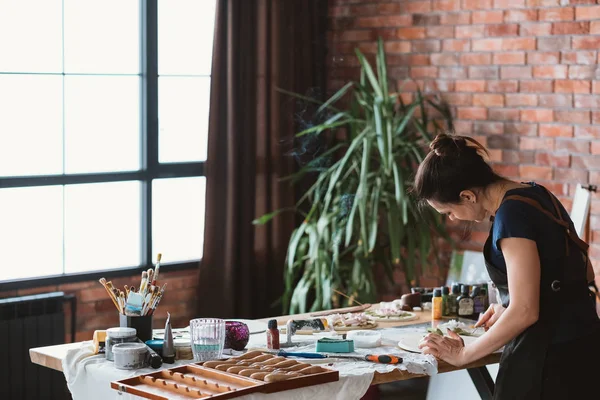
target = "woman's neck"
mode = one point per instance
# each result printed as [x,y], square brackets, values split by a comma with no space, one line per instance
[494,193]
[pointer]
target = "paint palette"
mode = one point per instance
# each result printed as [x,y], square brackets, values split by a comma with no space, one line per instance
[252,372]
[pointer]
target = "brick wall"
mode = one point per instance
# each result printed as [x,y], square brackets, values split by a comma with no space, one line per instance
[95,310]
[522,77]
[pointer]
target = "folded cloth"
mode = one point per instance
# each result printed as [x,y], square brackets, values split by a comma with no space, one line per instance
[72,365]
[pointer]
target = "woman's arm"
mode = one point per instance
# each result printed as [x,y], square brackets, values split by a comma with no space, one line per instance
[523,269]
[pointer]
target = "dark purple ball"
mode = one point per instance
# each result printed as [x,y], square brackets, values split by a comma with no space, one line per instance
[237,335]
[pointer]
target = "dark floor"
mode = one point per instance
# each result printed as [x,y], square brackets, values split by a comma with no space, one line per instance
[412,389]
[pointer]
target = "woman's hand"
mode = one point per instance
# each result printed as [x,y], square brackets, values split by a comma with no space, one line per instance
[448,348]
[490,317]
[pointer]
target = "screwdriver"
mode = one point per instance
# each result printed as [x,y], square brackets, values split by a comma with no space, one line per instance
[376,358]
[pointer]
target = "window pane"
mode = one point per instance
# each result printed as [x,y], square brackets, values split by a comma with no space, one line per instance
[178,218]
[183,107]
[185,36]
[102,123]
[30,125]
[31,232]
[31,35]
[102,226]
[102,36]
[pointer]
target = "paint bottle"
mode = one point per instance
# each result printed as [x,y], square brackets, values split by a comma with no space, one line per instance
[465,303]
[272,335]
[436,304]
[168,352]
[445,294]
[478,302]
[453,300]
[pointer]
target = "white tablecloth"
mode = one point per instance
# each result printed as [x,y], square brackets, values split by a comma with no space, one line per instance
[88,376]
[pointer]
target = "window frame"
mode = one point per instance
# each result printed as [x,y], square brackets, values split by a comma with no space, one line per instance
[150,168]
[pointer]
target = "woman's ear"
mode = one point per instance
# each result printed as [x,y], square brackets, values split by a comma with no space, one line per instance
[468,196]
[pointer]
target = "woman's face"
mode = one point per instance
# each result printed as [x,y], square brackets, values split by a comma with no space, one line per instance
[468,209]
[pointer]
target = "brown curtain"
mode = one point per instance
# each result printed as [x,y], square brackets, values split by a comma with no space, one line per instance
[260,45]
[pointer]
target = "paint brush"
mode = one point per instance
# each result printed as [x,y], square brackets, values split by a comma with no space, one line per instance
[103,283]
[157,269]
[144,282]
[348,297]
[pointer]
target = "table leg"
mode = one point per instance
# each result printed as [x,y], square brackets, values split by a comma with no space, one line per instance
[483,382]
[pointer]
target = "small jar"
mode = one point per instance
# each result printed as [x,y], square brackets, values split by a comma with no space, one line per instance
[118,335]
[183,349]
[130,355]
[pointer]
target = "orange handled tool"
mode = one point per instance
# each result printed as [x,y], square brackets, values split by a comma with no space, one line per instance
[376,358]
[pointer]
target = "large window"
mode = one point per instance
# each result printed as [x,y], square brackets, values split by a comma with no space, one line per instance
[103,135]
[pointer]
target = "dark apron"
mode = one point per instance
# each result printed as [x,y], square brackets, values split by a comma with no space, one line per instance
[522,363]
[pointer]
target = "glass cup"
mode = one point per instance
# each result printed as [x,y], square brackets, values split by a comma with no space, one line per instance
[207,338]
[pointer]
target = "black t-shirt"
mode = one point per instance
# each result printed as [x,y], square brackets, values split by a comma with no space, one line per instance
[517,219]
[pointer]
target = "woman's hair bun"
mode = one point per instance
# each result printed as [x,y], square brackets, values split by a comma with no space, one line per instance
[445,144]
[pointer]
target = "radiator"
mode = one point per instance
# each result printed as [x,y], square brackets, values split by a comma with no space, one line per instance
[26,322]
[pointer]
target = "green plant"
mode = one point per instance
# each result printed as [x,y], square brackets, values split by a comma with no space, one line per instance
[360,213]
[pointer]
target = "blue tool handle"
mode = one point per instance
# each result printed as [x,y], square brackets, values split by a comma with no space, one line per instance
[301,355]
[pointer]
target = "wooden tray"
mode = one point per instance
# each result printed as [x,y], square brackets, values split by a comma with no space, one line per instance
[212,380]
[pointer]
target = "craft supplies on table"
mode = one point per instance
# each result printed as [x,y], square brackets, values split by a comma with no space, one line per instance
[365,339]
[130,355]
[207,338]
[116,336]
[183,349]
[329,345]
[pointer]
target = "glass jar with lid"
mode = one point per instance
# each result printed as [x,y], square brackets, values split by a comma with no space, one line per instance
[118,335]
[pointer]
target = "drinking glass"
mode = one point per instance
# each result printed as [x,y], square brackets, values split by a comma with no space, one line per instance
[207,338]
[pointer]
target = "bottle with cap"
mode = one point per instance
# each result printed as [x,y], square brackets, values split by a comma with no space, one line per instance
[168,352]
[436,304]
[453,299]
[465,303]
[116,336]
[478,301]
[445,305]
[272,335]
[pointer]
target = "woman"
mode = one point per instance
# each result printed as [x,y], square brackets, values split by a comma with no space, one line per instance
[547,320]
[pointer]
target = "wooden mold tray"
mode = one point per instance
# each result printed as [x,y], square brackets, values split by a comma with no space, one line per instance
[225,379]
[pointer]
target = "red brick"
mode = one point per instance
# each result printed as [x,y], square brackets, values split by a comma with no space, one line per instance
[460,45]
[476,4]
[504,86]
[487,17]
[550,71]
[552,130]
[453,73]
[572,86]
[543,58]
[463,18]
[488,100]
[535,86]
[42,289]
[535,172]
[584,57]
[488,128]
[533,143]
[513,58]
[587,101]
[483,72]
[470,31]
[398,47]
[595,117]
[513,100]
[503,142]
[570,28]
[510,4]
[541,29]
[520,15]
[487,44]
[440,32]
[495,155]
[596,87]
[463,127]
[471,113]
[515,72]
[573,146]
[391,21]
[476,59]
[411,33]
[519,44]
[416,6]
[426,46]
[556,100]
[587,132]
[586,42]
[458,99]
[76,286]
[423,72]
[595,148]
[595,27]
[444,59]
[555,43]
[355,36]
[518,157]
[570,175]
[445,5]
[506,170]
[502,30]
[503,114]
[543,3]
[585,162]
[557,14]
[554,160]
[573,117]
[470,86]
[537,115]
[521,128]
[583,13]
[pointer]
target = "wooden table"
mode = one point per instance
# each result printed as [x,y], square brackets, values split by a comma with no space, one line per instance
[52,357]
